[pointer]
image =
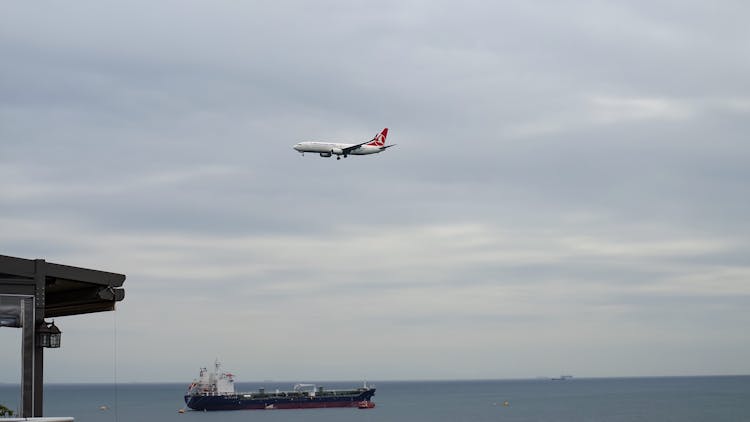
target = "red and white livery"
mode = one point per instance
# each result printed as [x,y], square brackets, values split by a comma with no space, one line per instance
[329,149]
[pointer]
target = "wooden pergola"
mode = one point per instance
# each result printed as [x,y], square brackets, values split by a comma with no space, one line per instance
[34,289]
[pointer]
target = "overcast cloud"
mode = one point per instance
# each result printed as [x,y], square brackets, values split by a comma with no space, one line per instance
[569,191]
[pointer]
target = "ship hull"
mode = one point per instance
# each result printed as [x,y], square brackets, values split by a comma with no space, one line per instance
[275,401]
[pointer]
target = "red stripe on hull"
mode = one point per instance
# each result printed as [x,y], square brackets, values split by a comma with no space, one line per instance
[313,405]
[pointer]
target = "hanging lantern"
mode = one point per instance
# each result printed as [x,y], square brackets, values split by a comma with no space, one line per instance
[48,335]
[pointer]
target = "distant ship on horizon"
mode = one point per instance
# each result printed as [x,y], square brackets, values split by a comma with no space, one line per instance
[562,378]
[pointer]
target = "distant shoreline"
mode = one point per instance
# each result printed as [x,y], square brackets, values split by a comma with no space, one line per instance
[535,379]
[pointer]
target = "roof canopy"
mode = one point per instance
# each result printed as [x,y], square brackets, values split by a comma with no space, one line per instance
[67,290]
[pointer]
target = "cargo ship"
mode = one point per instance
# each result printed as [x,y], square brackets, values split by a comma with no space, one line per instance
[215,391]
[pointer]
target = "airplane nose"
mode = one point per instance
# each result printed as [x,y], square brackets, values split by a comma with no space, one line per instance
[296,147]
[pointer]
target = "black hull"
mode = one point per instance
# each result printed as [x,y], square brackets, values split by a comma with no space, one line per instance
[241,401]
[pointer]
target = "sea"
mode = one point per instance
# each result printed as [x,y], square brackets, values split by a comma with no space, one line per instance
[684,399]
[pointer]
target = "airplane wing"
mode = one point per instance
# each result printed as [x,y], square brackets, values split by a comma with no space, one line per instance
[349,149]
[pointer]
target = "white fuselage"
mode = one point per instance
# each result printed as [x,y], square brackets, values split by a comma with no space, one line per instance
[327,149]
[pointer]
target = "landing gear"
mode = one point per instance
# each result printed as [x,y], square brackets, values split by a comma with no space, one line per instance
[338,157]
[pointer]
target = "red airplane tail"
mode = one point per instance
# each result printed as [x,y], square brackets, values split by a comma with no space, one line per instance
[379,139]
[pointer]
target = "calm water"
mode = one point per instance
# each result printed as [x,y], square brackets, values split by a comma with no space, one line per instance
[614,399]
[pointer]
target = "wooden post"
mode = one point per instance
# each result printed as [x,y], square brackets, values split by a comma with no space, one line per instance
[27,356]
[40,279]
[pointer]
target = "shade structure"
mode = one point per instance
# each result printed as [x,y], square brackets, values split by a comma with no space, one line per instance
[34,289]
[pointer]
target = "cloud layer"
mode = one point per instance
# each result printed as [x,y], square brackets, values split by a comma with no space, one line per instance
[568,192]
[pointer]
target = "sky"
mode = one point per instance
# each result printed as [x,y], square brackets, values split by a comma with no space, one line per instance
[568,193]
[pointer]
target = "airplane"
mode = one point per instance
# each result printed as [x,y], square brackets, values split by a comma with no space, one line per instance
[329,149]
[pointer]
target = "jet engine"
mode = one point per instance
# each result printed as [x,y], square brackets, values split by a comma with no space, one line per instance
[325,154]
